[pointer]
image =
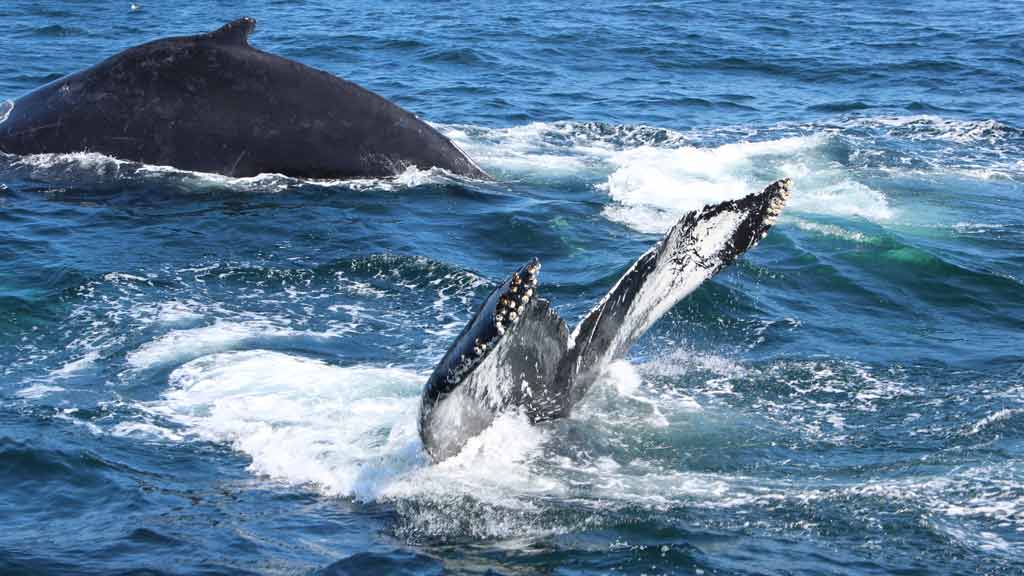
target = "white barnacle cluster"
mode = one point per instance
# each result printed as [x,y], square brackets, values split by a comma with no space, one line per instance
[513,302]
[778,200]
[507,312]
[775,204]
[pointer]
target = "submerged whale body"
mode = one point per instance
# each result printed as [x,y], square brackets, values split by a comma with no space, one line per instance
[517,353]
[213,103]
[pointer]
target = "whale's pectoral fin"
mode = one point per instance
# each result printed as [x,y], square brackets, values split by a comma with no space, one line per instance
[699,245]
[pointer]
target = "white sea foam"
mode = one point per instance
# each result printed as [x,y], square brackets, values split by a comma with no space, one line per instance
[36,391]
[653,187]
[347,431]
[660,172]
[977,228]
[967,505]
[93,166]
[995,417]
[175,313]
[537,151]
[75,366]
[650,175]
[833,231]
[343,430]
[179,346]
[930,127]
[57,165]
[144,431]
[351,431]
[494,467]
[408,178]
[651,181]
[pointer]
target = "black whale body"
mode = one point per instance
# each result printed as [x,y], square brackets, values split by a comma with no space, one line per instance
[213,103]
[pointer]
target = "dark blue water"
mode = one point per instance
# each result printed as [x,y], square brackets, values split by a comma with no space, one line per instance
[202,374]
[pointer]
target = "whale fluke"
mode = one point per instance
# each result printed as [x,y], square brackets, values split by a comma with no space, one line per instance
[516,352]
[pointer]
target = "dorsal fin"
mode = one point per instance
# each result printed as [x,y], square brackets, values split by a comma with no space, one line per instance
[235,33]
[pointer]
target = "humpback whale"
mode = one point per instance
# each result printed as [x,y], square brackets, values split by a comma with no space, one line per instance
[516,353]
[213,103]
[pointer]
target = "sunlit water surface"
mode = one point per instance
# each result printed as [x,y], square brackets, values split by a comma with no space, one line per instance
[205,374]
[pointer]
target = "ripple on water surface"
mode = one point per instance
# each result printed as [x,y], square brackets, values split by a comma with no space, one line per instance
[201,366]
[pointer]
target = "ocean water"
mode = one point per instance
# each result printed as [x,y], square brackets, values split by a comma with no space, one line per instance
[201,374]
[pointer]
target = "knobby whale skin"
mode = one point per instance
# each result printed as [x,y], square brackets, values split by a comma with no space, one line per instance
[517,353]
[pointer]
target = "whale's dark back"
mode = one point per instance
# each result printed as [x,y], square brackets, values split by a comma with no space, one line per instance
[213,103]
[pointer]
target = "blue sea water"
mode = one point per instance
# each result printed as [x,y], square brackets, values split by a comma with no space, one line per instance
[201,374]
